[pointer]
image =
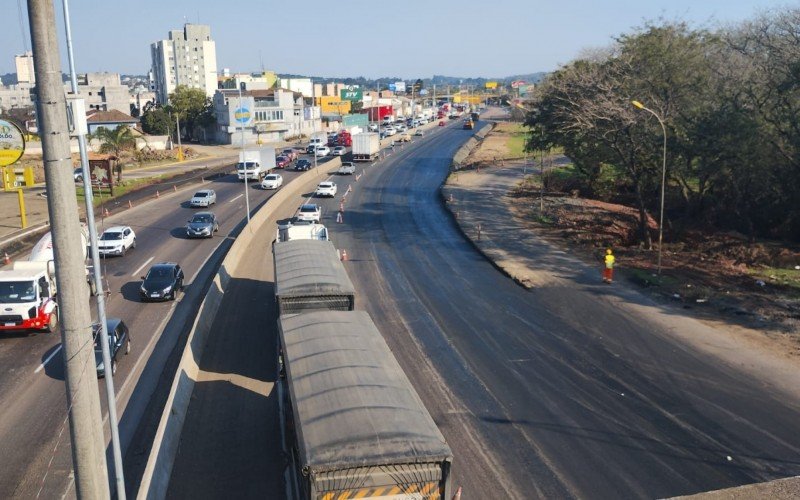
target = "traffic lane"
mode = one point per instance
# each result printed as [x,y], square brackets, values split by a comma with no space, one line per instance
[230,442]
[45,395]
[579,379]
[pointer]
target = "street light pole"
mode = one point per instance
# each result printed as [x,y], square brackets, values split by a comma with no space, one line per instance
[243,159]
[663,178]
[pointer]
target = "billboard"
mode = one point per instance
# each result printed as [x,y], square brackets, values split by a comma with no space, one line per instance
[397,87]
[526,89]
[491,85]
[351,94]
[517,83]
[12,143]
[333,105]
[359,120]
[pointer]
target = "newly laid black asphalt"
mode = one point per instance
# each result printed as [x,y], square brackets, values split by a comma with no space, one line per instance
[553,392]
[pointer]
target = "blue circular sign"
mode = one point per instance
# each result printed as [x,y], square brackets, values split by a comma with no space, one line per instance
[242,115]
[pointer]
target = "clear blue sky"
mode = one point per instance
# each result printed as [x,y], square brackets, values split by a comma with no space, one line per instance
[405,38]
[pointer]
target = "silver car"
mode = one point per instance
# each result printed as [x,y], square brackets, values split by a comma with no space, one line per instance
[202,225]
[203,198]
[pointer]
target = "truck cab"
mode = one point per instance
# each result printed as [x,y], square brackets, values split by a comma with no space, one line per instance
[250,169]
[301,230]
[27,298]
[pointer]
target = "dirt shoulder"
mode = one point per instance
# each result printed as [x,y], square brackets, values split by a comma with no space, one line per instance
[711,277]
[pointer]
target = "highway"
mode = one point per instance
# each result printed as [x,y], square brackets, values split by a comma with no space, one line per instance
[34,433]
[547,393]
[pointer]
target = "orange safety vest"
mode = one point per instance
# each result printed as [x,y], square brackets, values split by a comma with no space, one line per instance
[610,261]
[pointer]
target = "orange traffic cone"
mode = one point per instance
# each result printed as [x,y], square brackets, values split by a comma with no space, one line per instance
[130,205]
[344,255]
[457,496]
[6,259]
[157,194]
[105,212]
[175,188]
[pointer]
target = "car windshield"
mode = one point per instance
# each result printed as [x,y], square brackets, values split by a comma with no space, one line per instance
[281,158]
[308,208]
[201,194]
[201,218]
[110,236]
[326,185]
[159,273]
[271,177]
[16,292]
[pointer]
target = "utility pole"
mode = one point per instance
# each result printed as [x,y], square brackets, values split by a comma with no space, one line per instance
[111,397]
[83,400]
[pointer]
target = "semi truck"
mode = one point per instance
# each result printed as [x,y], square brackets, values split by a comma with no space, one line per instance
[355,426]
[28,291]
[249,166]
[366,146]
[310,277]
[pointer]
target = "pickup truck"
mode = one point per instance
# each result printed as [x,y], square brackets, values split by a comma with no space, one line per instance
[347,168]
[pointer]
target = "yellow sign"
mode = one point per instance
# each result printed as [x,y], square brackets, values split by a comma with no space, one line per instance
[334,105]
[491,85]
[12,143]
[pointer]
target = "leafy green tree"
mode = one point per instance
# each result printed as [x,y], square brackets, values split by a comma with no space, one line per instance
[156,121]
[193,108]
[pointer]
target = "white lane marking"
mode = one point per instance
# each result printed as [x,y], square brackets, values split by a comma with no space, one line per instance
[41,367]
[136,272]
[231,201]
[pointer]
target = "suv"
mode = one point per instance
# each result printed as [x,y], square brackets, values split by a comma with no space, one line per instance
[116,240]
[118,340]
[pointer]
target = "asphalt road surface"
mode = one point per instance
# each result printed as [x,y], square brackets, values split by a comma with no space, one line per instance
[547,393]
[34,433]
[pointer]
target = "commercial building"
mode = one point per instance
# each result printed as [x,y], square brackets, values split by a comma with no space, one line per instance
[104,92]
[263,116]
[24,64]
[188,57]
[247,81]
[300,85]
[17,96]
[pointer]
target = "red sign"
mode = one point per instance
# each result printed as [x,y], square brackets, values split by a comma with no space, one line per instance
[518,83]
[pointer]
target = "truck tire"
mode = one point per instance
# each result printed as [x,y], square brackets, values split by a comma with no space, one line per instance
[52,322]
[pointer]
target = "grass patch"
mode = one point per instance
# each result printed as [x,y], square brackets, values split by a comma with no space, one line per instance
[776,276]
[543,219]
[103,195]
[646,278]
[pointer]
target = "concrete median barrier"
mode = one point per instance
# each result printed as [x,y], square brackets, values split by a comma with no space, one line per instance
[156,477]
[464,151]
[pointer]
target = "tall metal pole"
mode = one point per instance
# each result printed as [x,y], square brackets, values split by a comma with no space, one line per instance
[98,277]
[244,163]
[663,179]
[83,400]
[313,121]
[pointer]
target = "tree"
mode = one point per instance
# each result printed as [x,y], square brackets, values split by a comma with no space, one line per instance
[115,140]
[193,108]
[156,121]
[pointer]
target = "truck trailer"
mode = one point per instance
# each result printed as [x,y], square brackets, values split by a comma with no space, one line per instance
[366,146]
[355,426]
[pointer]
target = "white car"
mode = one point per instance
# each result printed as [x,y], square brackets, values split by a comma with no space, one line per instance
[400,127]
[419,132]
[339,151]
[309,212]
[322,151]
[347,168]
[116,240]
[203,198]
[272,181]
[389,131]
[326,188]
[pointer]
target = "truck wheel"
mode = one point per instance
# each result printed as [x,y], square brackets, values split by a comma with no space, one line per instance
[52,322]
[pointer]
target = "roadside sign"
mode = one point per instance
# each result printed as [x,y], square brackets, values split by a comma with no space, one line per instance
[517,83]
[491,85]
[12,143]
[242,115]
[423,92]
[351,94]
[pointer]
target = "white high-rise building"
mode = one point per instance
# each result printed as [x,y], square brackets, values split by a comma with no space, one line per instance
[24,63]
[188,57]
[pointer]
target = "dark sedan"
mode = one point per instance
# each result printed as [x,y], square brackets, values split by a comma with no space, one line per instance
[202,225]
[163,282]
[118,340]
[302,165]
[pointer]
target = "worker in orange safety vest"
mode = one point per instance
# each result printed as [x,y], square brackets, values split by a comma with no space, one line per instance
[608,268]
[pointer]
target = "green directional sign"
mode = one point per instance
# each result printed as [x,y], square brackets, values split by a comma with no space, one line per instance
[351,94]
[360,120]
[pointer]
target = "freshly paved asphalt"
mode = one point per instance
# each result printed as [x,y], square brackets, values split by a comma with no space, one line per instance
[554,392]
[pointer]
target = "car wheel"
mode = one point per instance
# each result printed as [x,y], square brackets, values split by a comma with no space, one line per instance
[52,322]
[127,347]
[124,250]
[133,245]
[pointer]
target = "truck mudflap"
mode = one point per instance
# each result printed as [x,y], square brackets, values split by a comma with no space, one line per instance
[421,491]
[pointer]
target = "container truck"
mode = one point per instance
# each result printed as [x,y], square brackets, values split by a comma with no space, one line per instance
[301,230]
[366,146]
[28,290]
[355,426]
[268,163]
[249,166]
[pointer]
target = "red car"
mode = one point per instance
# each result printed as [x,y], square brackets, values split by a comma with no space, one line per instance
[289,153]
[282,161]
[441,123]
